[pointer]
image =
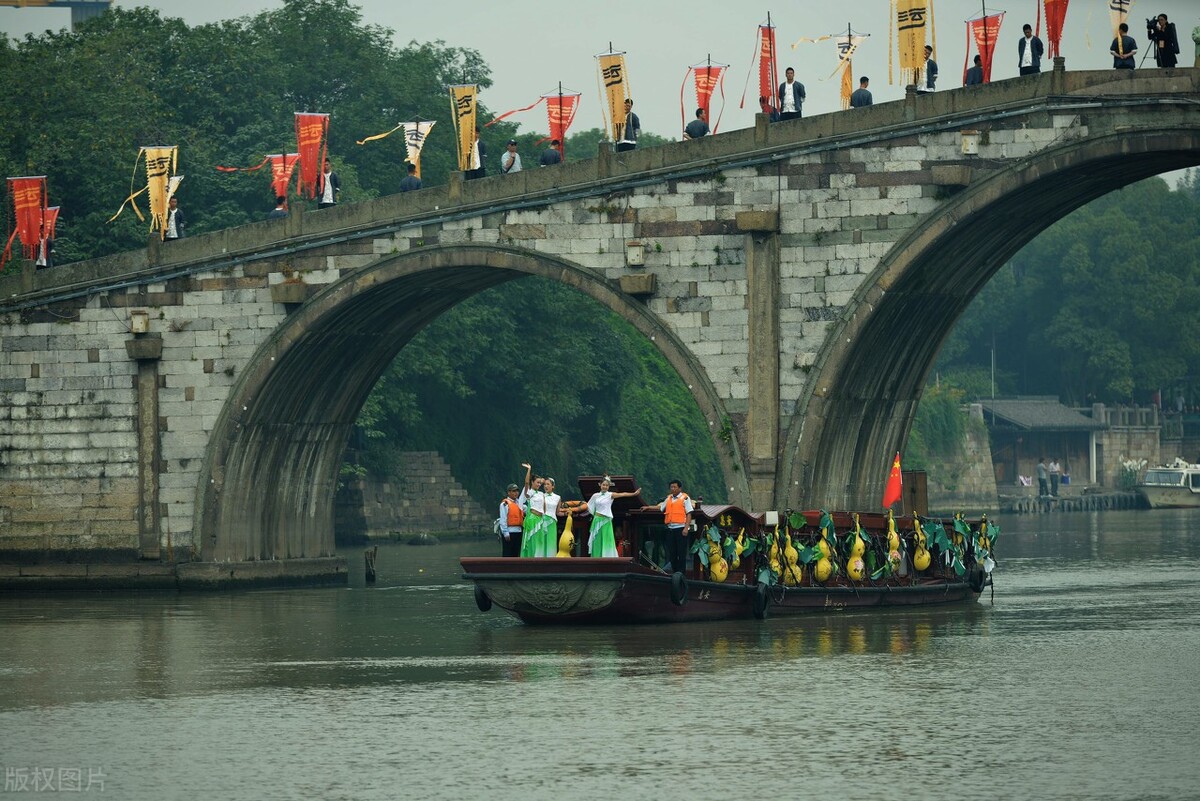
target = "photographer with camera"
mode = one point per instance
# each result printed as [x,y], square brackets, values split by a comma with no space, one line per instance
[1162,36]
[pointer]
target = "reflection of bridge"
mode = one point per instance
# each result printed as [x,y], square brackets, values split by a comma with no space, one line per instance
[800,277]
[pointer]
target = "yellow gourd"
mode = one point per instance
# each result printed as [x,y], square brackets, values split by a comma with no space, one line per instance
[566,542]
[823,569]
[855,568]
[790,554]
[793,574]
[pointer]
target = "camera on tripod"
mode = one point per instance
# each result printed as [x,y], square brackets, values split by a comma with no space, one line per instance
[1151,26]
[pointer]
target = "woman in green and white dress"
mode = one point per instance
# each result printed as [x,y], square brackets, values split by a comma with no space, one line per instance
[545,504]
[601,540]
[533,486]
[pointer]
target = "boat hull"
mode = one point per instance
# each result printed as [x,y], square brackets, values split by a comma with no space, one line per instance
[615,591]
[1170,497]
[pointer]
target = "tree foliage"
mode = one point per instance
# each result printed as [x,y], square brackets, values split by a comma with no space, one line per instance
[1101,306]
[534,371]
[527,371]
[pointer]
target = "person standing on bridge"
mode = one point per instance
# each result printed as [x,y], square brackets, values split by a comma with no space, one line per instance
[974,75]
[550,156]
[176,223]
[1124,49]
[280,210]
[791,96]
[410,182]
[931,71]
[862,95]
[633,127]
[510,159]
[1029,52]
[329,186]
[1166,43]
[697,127]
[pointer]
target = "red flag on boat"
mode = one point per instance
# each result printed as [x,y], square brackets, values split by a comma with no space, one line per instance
[892,492]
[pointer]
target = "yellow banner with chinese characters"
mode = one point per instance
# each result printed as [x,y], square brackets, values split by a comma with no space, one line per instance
[614,90]
[462,111]
[911,17]
[161,183]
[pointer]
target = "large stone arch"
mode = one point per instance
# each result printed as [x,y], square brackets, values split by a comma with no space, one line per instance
[267,486]
[867,381]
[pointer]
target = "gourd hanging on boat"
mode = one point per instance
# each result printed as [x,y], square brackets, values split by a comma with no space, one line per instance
[566,542]
[708,549]
[825,567]
[856,566]
[793,573]
[921,557]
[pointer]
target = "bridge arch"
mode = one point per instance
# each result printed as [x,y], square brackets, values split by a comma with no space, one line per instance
[868,378]
[267,486]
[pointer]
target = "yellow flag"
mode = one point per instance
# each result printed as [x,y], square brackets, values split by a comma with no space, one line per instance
[161,183]
[614,89]
[462,111]
[911,18]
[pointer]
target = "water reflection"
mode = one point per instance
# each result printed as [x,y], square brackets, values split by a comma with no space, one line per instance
[1082,665]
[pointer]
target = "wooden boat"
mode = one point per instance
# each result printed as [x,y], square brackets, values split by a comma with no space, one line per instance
[639,587]
[1173,486]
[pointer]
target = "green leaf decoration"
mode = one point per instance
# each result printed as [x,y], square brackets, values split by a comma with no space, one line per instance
[871,562]
[809,554]
[751,547]
[796,520]
[765,576]
[703,554]
[961,527]
[876,574]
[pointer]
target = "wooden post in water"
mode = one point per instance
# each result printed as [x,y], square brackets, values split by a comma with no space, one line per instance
[369,557]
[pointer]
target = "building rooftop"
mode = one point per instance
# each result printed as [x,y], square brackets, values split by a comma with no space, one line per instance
[1037,414]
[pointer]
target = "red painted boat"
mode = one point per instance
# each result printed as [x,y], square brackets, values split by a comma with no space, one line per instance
[638,588]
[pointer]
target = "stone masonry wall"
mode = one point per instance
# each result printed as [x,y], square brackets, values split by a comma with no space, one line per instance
[423,497]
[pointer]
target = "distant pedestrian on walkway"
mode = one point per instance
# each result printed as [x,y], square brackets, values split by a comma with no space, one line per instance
[1165,42]
[1043,489]
[1029,52]
[329,187]
[697,127]
[1055,470]
[931,71]
[280,210]
[862,95]
[410,182]
[176,225]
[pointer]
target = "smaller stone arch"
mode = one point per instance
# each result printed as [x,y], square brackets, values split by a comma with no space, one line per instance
[267,486]
[870,374]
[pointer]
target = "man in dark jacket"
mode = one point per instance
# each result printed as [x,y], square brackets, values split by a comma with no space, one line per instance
[1029,52]
[175,224]
[974,75]
[791,96]
[329,186]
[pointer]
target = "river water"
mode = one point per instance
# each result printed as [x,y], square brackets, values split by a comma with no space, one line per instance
[1077,682]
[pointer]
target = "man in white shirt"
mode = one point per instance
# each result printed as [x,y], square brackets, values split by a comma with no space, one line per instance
[791,96]
[329,186]
[1029,52]
[510,159]
[175,221]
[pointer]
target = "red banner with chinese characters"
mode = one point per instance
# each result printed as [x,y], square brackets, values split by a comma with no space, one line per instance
[282,165]
[985,31]
[560,113]
[51,220]
[1056,14]
[311,130]
[767,78]
[29,204]
[708,78]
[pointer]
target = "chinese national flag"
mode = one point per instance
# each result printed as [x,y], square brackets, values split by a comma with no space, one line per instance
[891,493]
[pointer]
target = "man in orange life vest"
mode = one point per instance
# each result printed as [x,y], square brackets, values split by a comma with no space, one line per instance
[513,516]
[677,514]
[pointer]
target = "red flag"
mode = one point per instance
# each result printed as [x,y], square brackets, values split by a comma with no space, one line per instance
[29,203]
[892,492]
[282,166]
[51,217]
[985,31]
[560,112]
[311,142]
[1056,13]
[764,57]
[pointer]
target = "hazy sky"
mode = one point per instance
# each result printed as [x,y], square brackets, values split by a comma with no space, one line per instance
[532,46]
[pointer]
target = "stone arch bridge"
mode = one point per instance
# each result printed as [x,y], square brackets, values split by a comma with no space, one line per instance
[191,401]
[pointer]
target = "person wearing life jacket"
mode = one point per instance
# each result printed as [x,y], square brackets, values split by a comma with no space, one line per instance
[513,515]
[677,514]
